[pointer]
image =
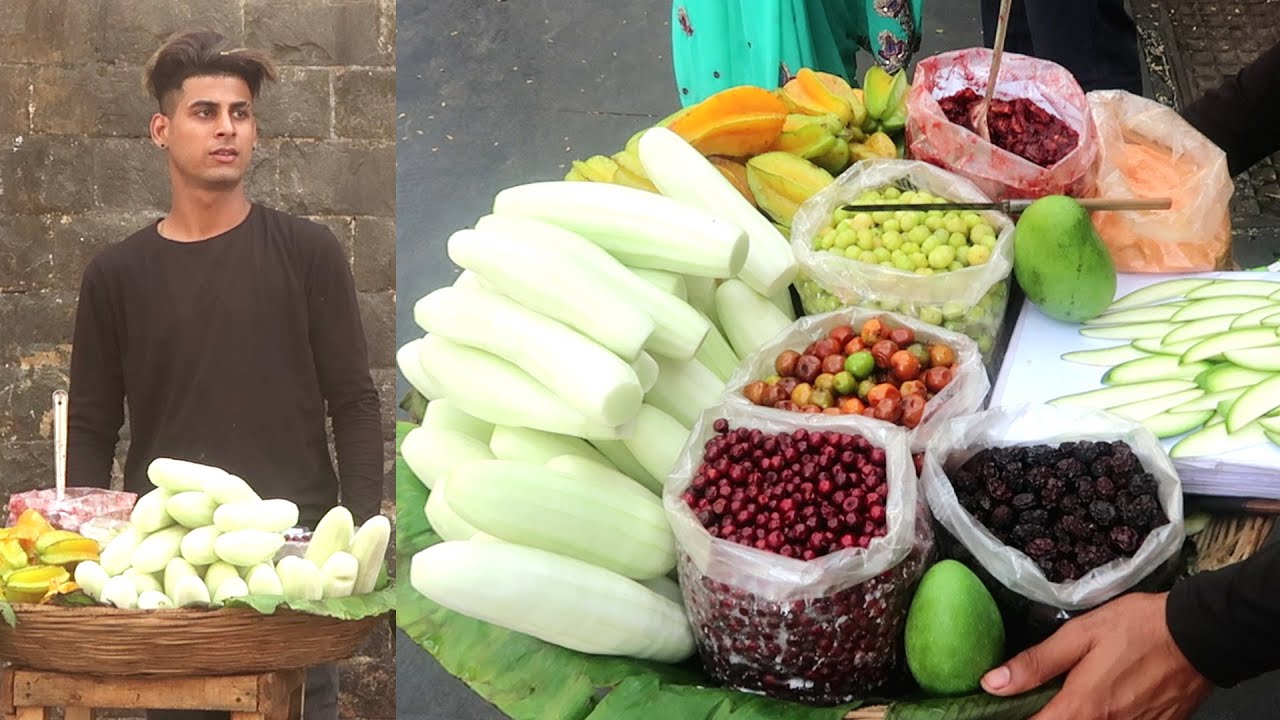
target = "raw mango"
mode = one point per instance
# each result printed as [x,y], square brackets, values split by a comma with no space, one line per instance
[154,552]
[1060,262]
[232,588]
[246,548]
[954,631]
[263,580]
[143,582]
[274,515]
[153,600]
[177,569]
[197,545]
[191,591]
[91,578]
[150,512]
[119,591]
[118,553]
[217,574]
[332,534]
[228,488]
[191,509]
[300,578]
[177,476]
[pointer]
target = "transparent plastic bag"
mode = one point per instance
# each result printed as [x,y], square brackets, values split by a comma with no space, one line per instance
[78,505]
[1024,425]
[1148,150]
[971,300]
[822,631]
[933,138]
[963,395]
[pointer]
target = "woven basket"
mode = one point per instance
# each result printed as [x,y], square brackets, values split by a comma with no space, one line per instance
[226,641]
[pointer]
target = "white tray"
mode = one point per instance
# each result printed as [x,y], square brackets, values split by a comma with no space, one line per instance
[1033,372]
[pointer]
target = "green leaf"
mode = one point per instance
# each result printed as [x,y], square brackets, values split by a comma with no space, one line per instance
[414,403]
[647,697]
[974,707]
[354,607]
[79,598]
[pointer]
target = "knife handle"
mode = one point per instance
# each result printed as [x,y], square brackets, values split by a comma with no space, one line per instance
[1126,203]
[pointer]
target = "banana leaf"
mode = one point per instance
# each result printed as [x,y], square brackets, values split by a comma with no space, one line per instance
[529,679]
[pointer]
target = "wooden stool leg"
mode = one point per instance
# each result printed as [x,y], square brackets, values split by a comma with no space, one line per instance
[247,716]
[33,713]
[78,713]
[295,702]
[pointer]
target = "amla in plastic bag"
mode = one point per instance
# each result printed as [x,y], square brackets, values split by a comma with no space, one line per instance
[970,300]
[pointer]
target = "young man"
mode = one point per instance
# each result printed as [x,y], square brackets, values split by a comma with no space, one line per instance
[230,329]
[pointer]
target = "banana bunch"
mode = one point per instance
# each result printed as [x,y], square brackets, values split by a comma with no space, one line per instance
[35,559]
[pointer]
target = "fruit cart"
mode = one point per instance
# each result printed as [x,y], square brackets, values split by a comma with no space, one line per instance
[782,457]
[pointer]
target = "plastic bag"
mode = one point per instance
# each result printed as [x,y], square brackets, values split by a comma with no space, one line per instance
[971,301]
[963,395]
[822,631]
[1014,426]
[78,506]
[1148,150]
[1001,174]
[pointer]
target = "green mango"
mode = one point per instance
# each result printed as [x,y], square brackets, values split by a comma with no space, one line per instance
[954,631]
[1061,263]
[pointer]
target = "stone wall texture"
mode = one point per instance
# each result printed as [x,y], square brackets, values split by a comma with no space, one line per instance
[78,172]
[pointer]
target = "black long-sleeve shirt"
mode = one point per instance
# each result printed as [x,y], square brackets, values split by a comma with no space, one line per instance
[227,352]
[1239,115]
[1227,622]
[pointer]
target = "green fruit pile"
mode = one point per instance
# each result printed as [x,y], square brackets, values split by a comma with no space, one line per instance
[923,241]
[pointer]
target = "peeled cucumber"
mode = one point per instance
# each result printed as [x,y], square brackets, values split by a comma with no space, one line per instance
[246,548]
[120,591]
[228,488]
[300,578]
[276,515]
[118,554]
[197,545]
[191,509]
[191,591]
[154,600]
[332,534]
[150,512]
[143,582]
[217,574]
[91,578]
[177,569]
[158,549]
[263,580]
[340,572]
[231,588]
[369,546]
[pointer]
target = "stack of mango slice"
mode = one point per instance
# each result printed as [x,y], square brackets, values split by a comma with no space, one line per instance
[778,147]
[36,560]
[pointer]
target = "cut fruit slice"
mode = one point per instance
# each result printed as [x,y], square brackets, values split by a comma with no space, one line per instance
[1224,406]
[1256,402]
[1106,357]
[1265,359]
[1270,424]
[1158,292]
[1272,320]
[1220,288]
[1157,346]
[1167,425]
[1230,377]
[1115,396]
[1214,439]
[1153,313]
[1144,409]
[1254,318]
[1156,367]
[1274,437]
[1241,339]
[1132,331]
[1198,329]
[1234,305]
[1208,401]
[1216,420]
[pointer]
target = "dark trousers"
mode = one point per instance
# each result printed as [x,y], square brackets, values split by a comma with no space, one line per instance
[320,700]
[1095,40]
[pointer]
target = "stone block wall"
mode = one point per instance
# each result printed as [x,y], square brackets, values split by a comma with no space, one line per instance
[78,172]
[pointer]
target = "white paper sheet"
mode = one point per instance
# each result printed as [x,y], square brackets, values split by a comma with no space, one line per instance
[1034,371]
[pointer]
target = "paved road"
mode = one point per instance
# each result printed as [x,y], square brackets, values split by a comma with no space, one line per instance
[492,94]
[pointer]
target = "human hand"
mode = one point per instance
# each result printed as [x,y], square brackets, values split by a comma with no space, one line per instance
[1120,660]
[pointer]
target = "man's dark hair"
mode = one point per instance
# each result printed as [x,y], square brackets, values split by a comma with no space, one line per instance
[202,53]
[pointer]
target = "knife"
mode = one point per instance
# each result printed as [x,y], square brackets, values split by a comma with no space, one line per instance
[1014,206]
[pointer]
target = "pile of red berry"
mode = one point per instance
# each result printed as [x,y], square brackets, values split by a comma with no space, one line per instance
[876,371]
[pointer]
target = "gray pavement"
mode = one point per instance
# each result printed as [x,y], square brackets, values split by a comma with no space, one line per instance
[493,93]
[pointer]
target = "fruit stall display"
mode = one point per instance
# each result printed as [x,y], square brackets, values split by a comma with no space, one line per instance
[639,468]
[201,541]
